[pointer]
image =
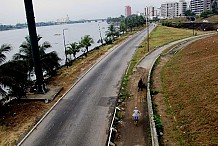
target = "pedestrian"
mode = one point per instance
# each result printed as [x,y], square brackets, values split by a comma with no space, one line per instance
[136,114]
[140,85]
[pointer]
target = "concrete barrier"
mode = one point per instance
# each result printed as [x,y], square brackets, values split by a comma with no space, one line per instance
[154,136]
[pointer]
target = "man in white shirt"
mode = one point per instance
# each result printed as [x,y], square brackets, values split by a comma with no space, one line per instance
[136,115]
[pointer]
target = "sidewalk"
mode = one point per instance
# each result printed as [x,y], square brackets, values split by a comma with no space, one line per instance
[48,96]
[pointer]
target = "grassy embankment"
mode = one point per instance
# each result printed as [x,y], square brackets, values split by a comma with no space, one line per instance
[190,88]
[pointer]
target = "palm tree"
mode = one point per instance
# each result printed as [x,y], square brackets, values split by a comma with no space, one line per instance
[122,27]
[25,53]
[3,49]
[14,76]
[86,42]
[50,61]
[111,32]
[73,48]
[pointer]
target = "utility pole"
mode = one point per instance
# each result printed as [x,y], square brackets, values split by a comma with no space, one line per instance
[193,28]
[65,49]
[40,86]
[148,33]
[100,34]
[193,24]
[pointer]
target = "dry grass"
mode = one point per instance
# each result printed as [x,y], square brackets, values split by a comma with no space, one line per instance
[190,86]
[210,19]
[164,35]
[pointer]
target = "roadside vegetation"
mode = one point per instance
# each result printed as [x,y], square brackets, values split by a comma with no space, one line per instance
[207,21]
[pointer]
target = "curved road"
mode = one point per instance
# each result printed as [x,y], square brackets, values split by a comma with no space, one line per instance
[82,117]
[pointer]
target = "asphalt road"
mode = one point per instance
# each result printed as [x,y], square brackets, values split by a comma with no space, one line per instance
[82,117]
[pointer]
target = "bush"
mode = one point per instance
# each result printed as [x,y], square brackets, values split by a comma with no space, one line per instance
[158,124]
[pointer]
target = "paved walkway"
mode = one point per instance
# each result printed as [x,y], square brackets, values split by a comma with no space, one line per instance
[48,96]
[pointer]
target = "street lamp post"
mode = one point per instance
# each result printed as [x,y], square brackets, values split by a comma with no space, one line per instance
[193,24]
[65,49]
[193,27]
[147,33]
[100,34]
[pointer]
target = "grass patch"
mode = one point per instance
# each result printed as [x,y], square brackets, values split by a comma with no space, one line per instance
[163,35]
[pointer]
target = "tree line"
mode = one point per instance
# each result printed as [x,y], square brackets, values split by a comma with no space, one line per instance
[16,74]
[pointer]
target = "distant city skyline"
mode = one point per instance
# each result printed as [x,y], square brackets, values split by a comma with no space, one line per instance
[13,11]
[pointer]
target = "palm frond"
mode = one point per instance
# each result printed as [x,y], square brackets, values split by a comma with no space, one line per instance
[4,49]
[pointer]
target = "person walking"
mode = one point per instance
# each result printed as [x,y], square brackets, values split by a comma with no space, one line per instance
[140,85]
[136,114]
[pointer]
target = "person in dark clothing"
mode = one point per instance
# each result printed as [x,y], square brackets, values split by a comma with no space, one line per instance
[140,85]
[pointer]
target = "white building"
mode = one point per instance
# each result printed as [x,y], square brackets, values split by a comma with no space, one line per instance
[169,10]
[173,9]
[149,12]
[182,7]
[199,6]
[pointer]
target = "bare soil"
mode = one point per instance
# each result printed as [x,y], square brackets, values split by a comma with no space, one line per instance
[188,94]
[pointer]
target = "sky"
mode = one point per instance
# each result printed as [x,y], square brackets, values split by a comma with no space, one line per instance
[13,11]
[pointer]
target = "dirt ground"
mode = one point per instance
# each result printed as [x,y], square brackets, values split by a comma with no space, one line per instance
[129,134]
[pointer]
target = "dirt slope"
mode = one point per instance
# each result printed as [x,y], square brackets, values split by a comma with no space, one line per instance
[188,98]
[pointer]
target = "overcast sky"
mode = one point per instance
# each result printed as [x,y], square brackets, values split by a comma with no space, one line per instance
[13,11]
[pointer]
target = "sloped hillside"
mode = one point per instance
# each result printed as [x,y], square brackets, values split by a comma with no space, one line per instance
[190,88]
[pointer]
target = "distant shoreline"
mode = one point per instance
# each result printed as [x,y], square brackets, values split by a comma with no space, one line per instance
[40,24]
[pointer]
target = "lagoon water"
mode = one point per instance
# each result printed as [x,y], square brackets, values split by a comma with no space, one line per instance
[54,35]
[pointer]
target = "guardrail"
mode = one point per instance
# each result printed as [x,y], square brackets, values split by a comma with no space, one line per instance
[112,129]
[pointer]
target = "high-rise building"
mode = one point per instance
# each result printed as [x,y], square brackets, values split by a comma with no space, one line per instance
[149,12]
[170,10]
[182,7]
[199,6]
[128,11]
